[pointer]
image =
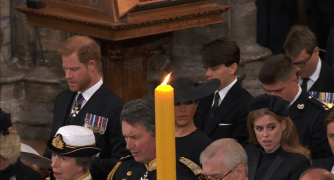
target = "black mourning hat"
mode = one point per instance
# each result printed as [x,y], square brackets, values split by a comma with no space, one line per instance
[186,90]
[273,103]
[73,141]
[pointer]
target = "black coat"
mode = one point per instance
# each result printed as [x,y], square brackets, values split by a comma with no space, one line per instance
[324,163]
[230,118]
[287,166]
[308,116]
[325,82]
[103,103]
[274,21]
[129,169]
[19,171]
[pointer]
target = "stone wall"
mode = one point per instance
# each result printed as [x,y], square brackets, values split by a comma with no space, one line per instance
[29,79]
[31,74]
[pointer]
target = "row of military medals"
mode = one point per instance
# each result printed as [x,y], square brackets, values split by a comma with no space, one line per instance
[326,98]
[98,124]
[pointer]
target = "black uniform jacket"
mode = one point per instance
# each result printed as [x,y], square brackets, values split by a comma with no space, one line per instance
[325,82]
[19,171]
[308,116]
[324,163]
[127,169]
[103,103]
[230,118]
[286,166]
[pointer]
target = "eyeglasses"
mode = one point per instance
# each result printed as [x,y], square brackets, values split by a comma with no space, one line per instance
[302,63]
[205,177]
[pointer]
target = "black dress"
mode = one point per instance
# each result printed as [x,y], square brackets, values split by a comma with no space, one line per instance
[192,145]
[278,165]
[19,171]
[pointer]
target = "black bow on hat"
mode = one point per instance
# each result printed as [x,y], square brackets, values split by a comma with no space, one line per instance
[186,90]
[273,103]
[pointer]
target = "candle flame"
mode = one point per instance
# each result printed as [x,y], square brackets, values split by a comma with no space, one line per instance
[329,105]
[166,79]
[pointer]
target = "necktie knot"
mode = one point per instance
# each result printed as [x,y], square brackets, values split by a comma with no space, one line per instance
[216,102]
[304,84]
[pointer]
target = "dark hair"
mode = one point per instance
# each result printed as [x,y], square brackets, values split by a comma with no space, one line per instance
[84,162]
[140,111]
[5,122]
[289,141]
[300,37]
[329,117]
[85,47]
[221,51]
[276,68]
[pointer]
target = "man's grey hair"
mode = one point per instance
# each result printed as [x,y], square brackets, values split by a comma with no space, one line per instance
[142,112]
[229,151]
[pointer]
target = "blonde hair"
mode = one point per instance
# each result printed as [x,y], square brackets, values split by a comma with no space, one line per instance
[10,146]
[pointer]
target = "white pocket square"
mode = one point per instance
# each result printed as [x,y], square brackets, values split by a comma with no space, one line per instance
[223,124]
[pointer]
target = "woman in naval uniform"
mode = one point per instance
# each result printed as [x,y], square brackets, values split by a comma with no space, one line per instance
[73,148]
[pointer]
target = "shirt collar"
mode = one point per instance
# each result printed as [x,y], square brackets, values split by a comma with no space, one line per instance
[90,91]
[315,75]
[224,91]
[297,95]
[151,166]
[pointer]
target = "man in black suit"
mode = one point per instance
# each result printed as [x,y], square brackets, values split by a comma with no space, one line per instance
[278,77]
[89,103]
[313,75]
[224,113]
[328,163]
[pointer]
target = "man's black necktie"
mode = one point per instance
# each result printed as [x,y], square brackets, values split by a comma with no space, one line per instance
[77,106]
[215,105]
[304,84]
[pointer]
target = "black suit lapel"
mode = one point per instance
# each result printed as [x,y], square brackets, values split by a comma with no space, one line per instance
[93,106]
[66,108]
[275,165]
[205,105]
[297,108]
[254,159]
[228,103]
[328,163]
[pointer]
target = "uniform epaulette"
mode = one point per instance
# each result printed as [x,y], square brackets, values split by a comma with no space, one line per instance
[318,103]
[124,158]
[191,165]
[112,172]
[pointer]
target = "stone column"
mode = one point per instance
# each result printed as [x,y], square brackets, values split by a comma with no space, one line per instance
[243,31]
[11,86]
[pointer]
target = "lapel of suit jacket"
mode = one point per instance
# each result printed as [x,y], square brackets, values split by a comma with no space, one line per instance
[228,103]
[297,108]
[275,165]
[93,106]
[66,107]
[254,159]
[328,163]
[205,105]
[321,79]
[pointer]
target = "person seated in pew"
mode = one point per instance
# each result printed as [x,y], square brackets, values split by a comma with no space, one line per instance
[138,128]
[317,174]
[274,151]
[328,163]
[11,167]
[224,159]
[73,148]
[278,77]
[190,141]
